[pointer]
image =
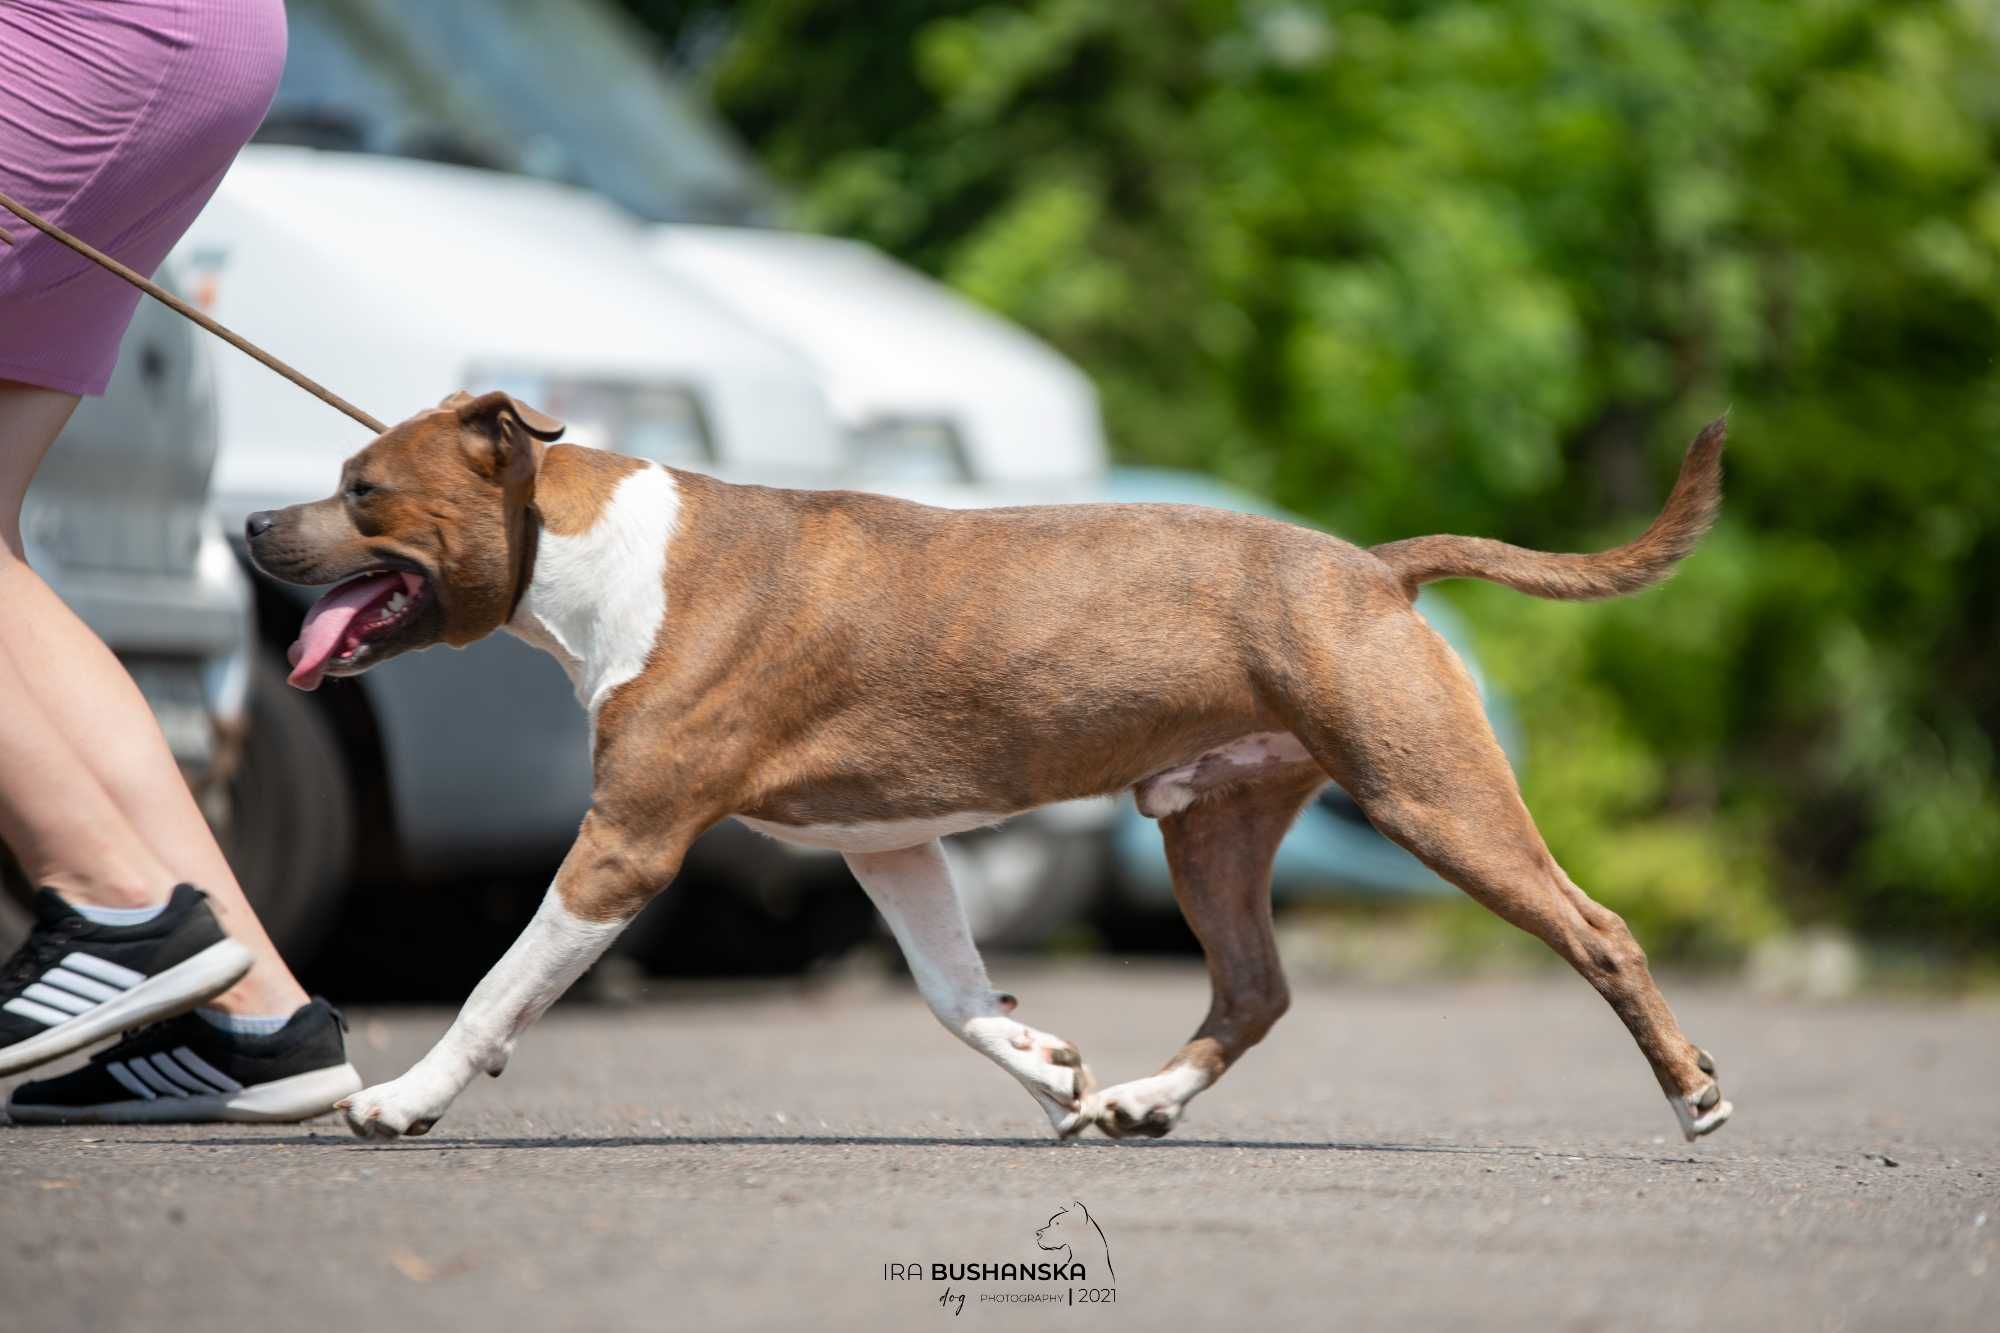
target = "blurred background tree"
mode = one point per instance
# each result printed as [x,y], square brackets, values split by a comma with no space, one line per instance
[1485,268]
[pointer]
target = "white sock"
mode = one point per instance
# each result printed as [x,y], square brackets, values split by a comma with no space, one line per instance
[245,1025]
[119,916]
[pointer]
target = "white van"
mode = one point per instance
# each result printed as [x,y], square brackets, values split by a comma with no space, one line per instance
[395,231]
[395,282]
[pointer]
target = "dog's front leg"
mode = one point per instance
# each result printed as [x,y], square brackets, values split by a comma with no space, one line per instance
[603,883]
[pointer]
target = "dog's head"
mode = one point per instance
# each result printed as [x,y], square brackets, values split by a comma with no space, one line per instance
[1062,1230]
[428,539]
[1075,1233]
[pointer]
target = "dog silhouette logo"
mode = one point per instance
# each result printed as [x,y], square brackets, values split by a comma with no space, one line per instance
[1073,1234]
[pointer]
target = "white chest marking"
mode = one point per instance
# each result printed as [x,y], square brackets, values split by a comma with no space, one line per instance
[887,835]
[598,597]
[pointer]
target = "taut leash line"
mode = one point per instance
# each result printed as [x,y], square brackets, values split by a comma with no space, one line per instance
[174,303]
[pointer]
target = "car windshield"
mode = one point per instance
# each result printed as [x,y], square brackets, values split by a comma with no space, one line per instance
[566,91]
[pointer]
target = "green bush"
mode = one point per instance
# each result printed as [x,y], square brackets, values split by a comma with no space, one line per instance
[1485,268]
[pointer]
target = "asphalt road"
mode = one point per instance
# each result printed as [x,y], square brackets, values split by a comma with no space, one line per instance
[1488,1155]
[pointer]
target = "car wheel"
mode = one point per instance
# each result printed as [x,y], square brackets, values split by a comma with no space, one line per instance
[14,916]
[741,907]
[290,836]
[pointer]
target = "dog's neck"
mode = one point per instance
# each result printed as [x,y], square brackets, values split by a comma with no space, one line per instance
[596,592]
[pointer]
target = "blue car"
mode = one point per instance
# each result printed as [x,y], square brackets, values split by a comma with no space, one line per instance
[1333,849]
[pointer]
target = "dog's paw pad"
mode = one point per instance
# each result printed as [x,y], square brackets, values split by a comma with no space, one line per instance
[1124,1115]
[1141,1110]
[369,1125]
[1120,1122]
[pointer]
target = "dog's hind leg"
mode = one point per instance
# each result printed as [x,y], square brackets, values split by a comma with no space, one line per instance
[604,881]
[912,889]
[1395,719]
[1220,850]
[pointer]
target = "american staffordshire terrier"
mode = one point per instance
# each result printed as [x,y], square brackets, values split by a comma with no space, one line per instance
[864,674]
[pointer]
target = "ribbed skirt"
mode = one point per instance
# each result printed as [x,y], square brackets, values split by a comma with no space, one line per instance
[117,121]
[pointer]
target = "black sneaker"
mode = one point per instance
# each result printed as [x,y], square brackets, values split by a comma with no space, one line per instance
[73,982]
[186,1070]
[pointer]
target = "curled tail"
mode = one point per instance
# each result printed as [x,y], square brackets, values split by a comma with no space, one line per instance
[1690,511]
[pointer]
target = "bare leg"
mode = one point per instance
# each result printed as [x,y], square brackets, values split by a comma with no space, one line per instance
[602,885]
[912,889]
[1220,850]
[91,800]
[1407,739]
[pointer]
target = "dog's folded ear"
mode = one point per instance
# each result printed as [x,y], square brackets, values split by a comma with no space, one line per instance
[503,435]
[488,406]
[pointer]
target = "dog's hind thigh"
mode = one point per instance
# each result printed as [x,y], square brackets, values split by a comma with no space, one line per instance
[1399,726]
[1220,850]
[912,889]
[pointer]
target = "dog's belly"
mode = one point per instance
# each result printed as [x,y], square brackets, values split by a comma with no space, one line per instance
[882,835]
[1163,793]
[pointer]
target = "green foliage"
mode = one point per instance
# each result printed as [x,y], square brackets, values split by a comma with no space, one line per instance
[1484,267]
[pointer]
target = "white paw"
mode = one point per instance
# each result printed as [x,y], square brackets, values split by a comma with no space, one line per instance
[1047,1066]
[1704,1111]
[1697,1120]
[1145,1108]
[408,1105]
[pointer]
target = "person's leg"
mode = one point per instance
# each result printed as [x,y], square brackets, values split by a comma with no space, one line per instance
[91,799]
[62,826]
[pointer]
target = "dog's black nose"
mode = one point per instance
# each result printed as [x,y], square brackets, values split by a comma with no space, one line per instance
[258,524]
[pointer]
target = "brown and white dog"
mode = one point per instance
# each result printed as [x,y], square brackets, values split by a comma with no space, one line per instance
[859,673]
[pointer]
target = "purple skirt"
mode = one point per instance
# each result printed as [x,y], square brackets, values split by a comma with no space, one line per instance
[117,121]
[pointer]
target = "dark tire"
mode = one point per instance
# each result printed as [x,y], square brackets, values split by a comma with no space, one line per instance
[291,830]
[14,894]
[740,907]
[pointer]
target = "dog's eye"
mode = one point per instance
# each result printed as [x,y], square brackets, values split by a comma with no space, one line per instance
[360,490]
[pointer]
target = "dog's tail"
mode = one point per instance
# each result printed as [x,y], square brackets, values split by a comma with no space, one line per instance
[1690,511]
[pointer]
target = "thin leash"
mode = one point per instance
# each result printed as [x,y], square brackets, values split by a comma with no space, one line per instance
[174,303]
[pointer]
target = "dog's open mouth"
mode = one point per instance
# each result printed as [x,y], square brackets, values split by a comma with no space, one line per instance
[342,623]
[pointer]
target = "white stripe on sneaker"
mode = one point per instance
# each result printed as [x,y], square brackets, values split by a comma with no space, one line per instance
[118,1071]
[58,999]
[41,1013]
[124,978]
[79,985]
[194,1064]
[177,1076]
[173,991]
[298,1097]
[180,1073]
[152,1078]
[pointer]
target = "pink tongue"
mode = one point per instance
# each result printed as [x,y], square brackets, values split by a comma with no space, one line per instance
[326,624]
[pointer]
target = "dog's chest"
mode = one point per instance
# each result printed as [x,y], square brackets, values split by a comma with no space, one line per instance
[599,597]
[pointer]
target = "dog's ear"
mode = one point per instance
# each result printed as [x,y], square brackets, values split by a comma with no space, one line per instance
[502,435]
[498,404]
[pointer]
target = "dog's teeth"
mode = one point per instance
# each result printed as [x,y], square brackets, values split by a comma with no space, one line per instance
[399,601]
